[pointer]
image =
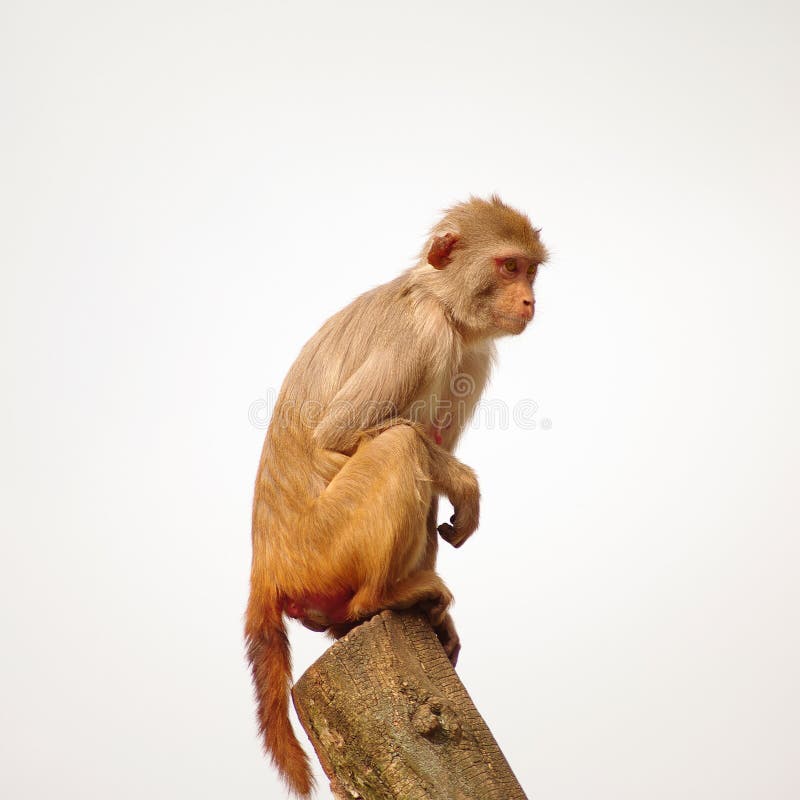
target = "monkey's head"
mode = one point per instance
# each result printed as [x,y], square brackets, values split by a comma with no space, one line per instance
[485,256]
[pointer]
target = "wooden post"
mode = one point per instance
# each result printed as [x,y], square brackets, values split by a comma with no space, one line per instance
[390,720]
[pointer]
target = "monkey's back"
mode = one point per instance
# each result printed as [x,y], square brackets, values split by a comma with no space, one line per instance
[294,470]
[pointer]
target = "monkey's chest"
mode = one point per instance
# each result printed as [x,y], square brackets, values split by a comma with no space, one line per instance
[441,407]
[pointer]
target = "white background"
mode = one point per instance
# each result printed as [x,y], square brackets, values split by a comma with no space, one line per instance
[189,189]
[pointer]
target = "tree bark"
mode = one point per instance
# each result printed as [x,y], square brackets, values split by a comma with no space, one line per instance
[390,720]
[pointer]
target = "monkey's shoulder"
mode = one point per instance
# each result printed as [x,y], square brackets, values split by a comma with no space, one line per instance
[395,317]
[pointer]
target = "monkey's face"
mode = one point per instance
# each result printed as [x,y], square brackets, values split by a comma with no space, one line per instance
[512,302]
[487,276]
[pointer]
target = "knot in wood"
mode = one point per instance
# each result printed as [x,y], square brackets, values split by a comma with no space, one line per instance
[434,716]
[426,723]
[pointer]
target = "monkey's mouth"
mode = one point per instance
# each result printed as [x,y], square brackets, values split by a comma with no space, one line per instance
[513,323]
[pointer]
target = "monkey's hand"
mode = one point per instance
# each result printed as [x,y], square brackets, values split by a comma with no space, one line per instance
[466,502]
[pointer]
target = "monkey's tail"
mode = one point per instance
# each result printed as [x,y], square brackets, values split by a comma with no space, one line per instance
[271,667]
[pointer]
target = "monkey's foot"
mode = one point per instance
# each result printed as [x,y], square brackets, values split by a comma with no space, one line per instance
[436,608]
[448,636]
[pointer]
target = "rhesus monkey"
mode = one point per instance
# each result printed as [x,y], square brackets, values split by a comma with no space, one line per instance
[358,449]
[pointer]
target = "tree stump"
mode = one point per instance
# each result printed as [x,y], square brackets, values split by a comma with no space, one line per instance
[390,720]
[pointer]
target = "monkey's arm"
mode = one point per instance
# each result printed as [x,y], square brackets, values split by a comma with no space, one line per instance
[372,398]
[371,401]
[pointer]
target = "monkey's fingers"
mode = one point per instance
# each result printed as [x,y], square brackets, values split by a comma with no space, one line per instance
[452,532]
[448,533]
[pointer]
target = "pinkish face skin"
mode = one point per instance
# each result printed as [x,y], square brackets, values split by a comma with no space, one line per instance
[516,272]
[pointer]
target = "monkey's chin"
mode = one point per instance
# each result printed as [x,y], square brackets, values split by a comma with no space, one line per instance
[510,324]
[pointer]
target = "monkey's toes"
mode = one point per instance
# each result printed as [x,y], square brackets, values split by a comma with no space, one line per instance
[435,609]
[449,639]
[452,649]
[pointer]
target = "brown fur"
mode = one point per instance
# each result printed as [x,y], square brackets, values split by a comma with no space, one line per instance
[344,515]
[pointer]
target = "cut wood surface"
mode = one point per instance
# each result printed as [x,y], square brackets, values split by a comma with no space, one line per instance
[390,719]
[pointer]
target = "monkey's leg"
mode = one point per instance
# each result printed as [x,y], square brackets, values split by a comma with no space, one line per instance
[424,589]
[446,630]
[374,524]
[452,478]
[444,627]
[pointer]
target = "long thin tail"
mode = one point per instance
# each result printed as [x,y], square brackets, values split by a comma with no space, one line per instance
[270,663]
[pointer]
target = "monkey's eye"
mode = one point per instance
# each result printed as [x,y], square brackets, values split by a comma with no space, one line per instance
[510,264]
[531,270]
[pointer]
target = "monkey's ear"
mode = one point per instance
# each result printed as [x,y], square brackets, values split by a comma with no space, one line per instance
[441,247]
